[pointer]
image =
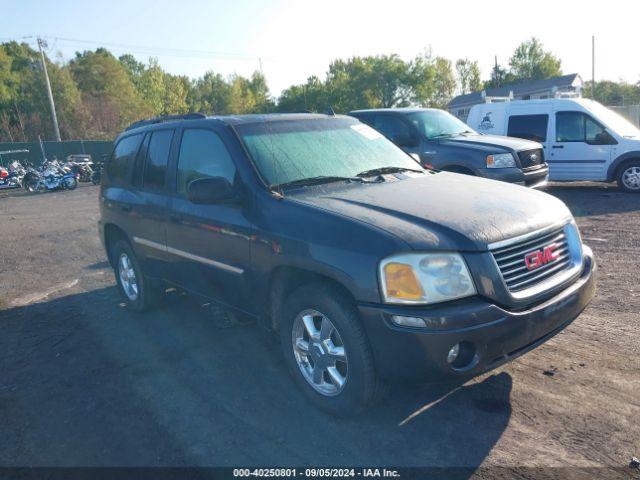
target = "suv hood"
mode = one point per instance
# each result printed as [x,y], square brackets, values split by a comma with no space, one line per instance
[490,142]
[440,211]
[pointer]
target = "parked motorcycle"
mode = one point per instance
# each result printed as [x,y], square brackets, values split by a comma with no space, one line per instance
[12,177]
[51,176]
[96,176]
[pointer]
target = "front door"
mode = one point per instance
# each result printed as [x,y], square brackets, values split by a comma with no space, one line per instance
[579,149]
[208,245]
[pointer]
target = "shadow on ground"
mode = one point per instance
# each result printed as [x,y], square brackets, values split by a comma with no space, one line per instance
[87,383]
[613,200]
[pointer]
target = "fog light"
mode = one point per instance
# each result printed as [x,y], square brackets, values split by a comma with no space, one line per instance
[415,322]
[453,353]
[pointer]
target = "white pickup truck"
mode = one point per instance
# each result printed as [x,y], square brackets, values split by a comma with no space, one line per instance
[583,140]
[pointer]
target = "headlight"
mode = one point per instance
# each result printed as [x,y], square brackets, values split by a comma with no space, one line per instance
[500,160]
[421,278]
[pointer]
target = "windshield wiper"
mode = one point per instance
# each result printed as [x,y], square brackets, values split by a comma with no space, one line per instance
[304,182]
[441,135]
[383,170]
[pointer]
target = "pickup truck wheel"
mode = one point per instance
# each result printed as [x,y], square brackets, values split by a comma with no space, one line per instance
[629,177]
[327,351]
[139,293]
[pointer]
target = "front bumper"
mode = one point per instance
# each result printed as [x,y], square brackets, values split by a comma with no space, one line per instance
[497,335]
[534,178]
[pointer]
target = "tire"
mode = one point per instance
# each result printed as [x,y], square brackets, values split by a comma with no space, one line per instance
[71,183]
[145,295]
[628,177]
[322,301]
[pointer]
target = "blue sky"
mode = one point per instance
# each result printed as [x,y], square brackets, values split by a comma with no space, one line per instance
[296,39]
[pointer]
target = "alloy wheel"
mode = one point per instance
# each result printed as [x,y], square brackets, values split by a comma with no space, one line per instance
[128,278]
[320,352]
[631,178]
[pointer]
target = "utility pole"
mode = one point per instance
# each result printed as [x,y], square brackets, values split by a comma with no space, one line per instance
[593,67]
[497,74]
[54,117]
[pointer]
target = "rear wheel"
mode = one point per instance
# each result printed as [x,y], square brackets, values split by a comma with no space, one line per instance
[327,351]
[139,292]
[629,177]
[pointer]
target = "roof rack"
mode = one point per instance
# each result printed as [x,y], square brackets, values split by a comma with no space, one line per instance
[166,118]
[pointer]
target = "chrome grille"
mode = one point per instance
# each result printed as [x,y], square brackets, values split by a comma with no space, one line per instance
[531,158]
[513,267]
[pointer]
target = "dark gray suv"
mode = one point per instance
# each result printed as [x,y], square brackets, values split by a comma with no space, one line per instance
[443,142]
[370,269]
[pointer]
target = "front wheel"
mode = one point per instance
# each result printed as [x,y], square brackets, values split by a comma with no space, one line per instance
[138,292]
[70,183]
[629,177]
[327,351]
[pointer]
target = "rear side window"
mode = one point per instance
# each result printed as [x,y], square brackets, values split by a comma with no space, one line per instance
[157,156]
[123,156]
[530,127]
[203,155]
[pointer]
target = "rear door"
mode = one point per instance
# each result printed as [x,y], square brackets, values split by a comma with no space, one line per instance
[579,149]
[149,209]
[208,245]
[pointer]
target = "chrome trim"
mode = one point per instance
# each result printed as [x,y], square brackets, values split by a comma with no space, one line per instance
[526,236]
[574,267]
[189,256]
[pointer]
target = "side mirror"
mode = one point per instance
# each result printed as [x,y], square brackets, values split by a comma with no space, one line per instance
[212,190]
[404,140]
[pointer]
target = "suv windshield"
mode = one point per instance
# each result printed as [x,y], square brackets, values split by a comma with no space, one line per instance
[290,151]
[438,123]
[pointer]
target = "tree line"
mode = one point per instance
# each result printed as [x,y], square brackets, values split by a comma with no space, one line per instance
[97,94]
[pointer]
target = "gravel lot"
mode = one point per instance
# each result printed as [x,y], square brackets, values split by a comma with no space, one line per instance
[83,382]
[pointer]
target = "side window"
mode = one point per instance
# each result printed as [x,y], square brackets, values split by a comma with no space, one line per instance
[530,127]
[579,127]
[203,155]
[569,127]
[593,131]
[157,156]
[123,156]
[391,126]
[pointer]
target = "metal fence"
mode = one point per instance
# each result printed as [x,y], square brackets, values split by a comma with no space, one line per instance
[39,151]
[630,112]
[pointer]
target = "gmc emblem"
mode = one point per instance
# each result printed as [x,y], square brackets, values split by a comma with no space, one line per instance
[538,258]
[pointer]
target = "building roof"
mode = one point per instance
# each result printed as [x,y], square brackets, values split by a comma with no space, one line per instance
[517,89]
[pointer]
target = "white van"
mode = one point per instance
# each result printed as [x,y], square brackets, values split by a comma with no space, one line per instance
[583,140]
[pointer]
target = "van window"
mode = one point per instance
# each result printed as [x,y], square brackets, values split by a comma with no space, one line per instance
[157,156]
[530,127]
[577,127]
[203,155]
[123,156]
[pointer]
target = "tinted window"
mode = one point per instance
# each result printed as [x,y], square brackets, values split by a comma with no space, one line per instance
[155,165]
[123,155]
[391,126]
[203,155]
[531,127]
[578,127]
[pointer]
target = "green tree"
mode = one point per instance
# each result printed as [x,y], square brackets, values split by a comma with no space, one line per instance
[468,75]
[531,62]
[444,83]
[108,93]
[614,93]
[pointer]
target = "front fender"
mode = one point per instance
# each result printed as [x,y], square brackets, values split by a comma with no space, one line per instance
[611,171]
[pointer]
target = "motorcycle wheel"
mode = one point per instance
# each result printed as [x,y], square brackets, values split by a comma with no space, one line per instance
[71,183]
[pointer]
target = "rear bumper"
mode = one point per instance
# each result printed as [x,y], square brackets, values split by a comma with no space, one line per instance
[496,334]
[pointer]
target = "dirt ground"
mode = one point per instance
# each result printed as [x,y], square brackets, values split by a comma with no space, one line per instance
[83,382]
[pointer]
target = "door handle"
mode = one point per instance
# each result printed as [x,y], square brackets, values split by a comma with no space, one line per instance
[125,208]
[557,146]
